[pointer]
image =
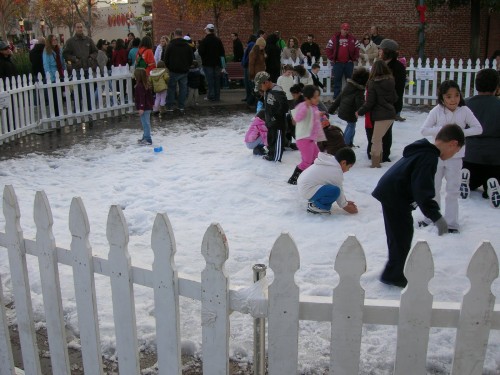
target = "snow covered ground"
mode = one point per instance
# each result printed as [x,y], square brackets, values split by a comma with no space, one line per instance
[206,174]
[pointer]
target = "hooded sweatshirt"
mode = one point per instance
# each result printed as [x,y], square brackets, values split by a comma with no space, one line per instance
[159,79]
[326,170]
[410,182]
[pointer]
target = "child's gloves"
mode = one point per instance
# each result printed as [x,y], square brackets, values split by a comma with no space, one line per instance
[441,225]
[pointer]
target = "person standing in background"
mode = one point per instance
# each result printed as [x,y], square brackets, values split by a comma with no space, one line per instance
[342,50]
[311,49]
[36,58]
[160,47]
[375,37]
[212,52]
[237,48]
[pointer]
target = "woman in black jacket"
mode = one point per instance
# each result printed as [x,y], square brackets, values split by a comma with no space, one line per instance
[380,100]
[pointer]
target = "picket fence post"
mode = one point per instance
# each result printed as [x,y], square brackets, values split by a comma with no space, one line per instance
[166,296]
[122,292]
[415,312]
[215,302]
[283,321]
[347,309]
[51,287]
[475,314]
[20,282]
[6,358]
[84,282]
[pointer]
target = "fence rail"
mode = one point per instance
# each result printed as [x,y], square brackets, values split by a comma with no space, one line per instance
[424,78]
[284,307]
[28,104]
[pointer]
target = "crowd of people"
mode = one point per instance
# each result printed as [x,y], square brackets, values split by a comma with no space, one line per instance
[282,83]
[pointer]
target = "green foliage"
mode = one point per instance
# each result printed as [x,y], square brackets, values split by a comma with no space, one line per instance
[22,61]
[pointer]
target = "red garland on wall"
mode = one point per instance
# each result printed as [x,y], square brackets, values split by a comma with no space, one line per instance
[421,10]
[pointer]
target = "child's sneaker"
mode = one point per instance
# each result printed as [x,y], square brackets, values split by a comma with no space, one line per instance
[316,210]
[494,192]
[464,185]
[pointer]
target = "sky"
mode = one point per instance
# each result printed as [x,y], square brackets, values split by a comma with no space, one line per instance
[205,175]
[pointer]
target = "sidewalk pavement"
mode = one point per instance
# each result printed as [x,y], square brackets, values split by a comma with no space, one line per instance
[70,135]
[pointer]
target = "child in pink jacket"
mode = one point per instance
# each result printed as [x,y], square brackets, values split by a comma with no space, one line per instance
[308,130]
[256,136]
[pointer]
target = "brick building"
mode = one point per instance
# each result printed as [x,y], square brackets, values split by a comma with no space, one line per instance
[447,31]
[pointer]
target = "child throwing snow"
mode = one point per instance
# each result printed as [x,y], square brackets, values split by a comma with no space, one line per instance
[321,183]
[349,101]
[308,130]
[144,104]
[158,79]
[451,109]
[256,136]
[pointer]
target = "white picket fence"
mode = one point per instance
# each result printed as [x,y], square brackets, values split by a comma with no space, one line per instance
[423,78]
[26,105]
[284,307]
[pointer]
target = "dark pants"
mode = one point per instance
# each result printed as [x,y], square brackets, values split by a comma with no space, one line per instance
[213,77]
[399,231]
[341,70]
[386,143]
[480,173]
[275,143]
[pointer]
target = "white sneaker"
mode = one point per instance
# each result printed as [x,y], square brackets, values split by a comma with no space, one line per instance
[464,185]
[494,192]
[316,210]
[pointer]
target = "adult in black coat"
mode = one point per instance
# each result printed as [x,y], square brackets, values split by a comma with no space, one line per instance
[7,67]
[36,58]
[273,57]
[212,53]
[311,49]
[237,48]
[388,52]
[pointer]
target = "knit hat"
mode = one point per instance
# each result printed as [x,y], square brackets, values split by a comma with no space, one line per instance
[389,44]
[260,78]
[261,42]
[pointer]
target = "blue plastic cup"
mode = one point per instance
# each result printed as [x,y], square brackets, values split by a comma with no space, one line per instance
[158,149]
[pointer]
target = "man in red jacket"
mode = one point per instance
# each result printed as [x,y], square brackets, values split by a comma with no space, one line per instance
[342,50]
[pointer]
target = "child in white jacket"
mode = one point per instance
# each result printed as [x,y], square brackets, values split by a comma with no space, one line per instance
[321,183]
[451,109]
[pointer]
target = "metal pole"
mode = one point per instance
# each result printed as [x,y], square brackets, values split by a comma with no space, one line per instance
[259,330]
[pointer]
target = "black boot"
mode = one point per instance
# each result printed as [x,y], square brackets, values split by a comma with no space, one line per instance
[296,173]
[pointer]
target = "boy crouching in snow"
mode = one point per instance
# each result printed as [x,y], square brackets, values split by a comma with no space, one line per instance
[321,183]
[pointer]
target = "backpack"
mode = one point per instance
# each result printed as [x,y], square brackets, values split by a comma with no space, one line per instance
[140,62]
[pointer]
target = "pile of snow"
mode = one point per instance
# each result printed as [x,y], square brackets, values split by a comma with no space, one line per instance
[205,174]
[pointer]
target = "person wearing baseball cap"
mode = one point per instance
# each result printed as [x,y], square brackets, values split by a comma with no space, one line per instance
[212,55]
[7,67]
[275,109]
[342,50]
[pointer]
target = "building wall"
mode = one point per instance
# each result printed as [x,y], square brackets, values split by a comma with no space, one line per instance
[447,31]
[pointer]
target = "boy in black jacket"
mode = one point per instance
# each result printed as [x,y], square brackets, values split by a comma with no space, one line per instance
[275,108]
[410,183]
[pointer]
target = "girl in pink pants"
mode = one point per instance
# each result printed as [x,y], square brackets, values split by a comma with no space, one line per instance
[308,130]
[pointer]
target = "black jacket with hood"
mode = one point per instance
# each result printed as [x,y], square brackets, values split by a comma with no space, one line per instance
[411,180]
[178,56]
[276,108]
[349,101]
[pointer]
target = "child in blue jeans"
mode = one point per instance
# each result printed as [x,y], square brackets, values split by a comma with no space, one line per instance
[349,101]
[321,183]
[144,104]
